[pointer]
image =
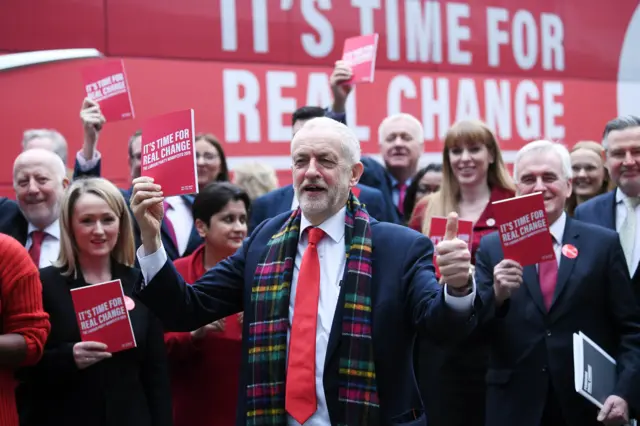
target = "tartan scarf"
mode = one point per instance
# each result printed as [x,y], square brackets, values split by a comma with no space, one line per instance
[358,396]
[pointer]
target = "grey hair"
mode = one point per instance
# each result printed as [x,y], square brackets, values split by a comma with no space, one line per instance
[401,115]
[59,142]
[618,123]
[541,147]
[38,153]
[349,140]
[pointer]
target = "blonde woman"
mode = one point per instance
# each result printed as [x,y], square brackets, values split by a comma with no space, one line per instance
[473,176]
[80,383]
[590,176]
[255,178]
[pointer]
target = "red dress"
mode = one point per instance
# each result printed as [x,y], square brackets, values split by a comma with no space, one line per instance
[21,312]
[205,373]
[485,224]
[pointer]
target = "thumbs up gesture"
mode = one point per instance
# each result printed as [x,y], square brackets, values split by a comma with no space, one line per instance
[453,257]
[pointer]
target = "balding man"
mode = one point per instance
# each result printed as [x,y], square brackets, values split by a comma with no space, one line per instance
[530,313]
[39,179]
[328,337]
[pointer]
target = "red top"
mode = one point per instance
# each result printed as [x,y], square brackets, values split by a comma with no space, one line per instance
[21,313]
[205,373]
[485,224]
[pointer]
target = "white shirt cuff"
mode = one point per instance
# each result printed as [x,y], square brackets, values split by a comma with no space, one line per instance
[150,264]
[85,164]
[463,303]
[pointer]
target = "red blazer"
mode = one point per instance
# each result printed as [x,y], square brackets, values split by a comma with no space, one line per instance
[204,374]
[21,312]
[486,223]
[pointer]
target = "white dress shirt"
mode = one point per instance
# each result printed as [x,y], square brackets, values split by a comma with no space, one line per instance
[182,220]
[50,244]
[621,215]
[557,230]
[85,165]
[331,251]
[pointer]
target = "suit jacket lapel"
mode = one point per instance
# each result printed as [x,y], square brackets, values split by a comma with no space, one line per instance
[566,263]
[530,278]
[610,214]
[286,200]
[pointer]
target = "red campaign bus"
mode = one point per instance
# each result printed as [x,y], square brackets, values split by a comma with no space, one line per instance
[556,69]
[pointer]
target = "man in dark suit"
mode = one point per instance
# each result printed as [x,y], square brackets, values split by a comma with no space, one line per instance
[620,209]
[530,314]
[283,200]
[39,179]
[322,358]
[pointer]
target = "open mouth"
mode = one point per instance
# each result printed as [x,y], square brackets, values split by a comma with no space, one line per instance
[313,189]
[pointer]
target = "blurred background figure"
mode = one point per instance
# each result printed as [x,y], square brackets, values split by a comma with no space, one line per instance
[425,182]
[205,364]
[590,176]
[81,383]
[210,160]
[255,178]
[473,176]
[24,325]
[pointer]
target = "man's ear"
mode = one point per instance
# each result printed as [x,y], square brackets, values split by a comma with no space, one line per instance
[356,173]
[201,227]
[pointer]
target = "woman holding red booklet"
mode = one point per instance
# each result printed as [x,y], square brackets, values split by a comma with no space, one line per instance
[473,176]
[82,383]
[205,363]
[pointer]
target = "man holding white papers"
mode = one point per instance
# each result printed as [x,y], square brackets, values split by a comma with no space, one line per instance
[530,313]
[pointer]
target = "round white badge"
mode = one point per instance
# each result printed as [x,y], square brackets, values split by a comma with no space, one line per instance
[491,222]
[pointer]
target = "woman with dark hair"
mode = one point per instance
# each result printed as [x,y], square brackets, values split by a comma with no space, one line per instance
[205,363]
[210,160]
[425,182]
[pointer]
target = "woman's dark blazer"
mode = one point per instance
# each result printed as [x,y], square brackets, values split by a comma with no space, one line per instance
[130,389]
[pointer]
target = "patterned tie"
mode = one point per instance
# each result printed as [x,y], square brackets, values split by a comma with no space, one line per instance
[300,400]
[402,188]
[37,237]
[548,277]
[170,228]
[628,230]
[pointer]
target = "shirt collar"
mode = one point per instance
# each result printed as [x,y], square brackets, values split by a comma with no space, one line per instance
[52,230]
[620,196]
[557,228]
[333,226]
[394,181]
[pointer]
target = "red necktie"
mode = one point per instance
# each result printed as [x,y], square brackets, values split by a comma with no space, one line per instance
[402,187]
[300,400]
[548,276]
[37,237]
[170,228]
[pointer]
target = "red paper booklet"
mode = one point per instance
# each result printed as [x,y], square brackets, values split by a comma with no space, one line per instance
[439,227]
[524,229]
[103,316]
[168,152]
[360,52]
[106,83]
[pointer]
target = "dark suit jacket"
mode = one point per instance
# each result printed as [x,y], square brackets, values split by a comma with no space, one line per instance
[530,346]
[405,293]
[279,201]
[601,210]
[92,172]
[12,221]
[132,388]
[376,176]
[172,251]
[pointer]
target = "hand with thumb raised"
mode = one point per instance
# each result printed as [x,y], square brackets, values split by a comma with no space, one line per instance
[451,231]
[453,257]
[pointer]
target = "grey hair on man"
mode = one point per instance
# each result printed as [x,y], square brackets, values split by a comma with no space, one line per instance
[619,123]
[543,146]
[401,115]
[350,142]
[59,146]
[42,156]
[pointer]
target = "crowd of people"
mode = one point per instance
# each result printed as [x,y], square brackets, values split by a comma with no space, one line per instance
[318,303]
